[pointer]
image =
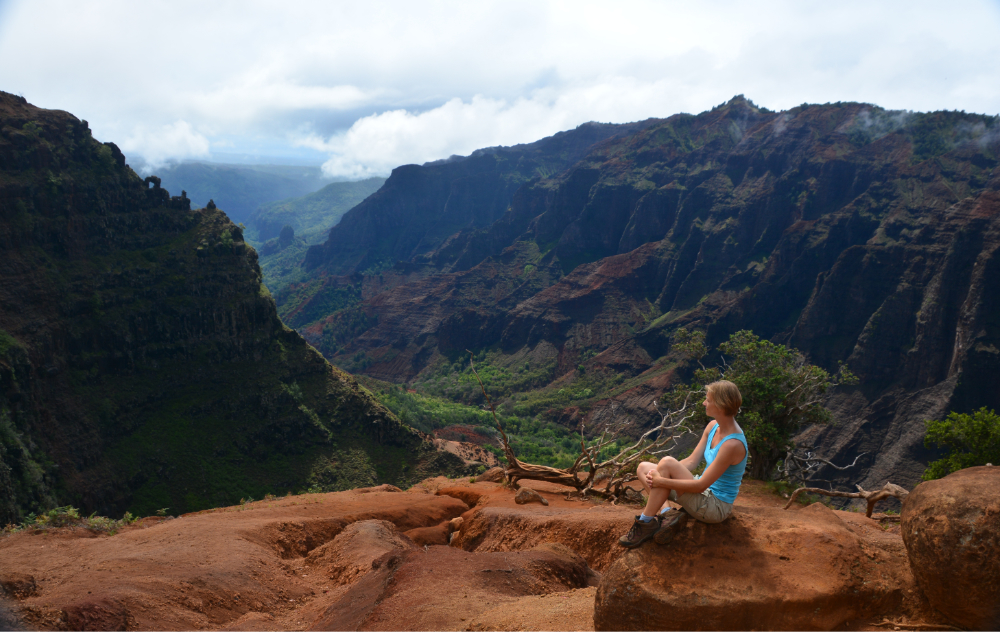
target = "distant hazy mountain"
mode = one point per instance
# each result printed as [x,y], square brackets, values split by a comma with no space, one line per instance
[240,189]
[310,218]
[311,215]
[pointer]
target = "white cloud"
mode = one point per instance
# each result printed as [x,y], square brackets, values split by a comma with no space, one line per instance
[375,144]
[384,83]
[157,146]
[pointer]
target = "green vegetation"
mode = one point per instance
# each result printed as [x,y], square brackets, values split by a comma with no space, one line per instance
[69,516]
[534,440]
[781,392]
[786,488]
[968,440]
[7,342]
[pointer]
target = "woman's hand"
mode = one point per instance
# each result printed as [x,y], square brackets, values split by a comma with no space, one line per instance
[653,479]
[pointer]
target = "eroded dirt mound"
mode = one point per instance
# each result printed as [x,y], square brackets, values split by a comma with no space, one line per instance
[763,568]
[203,570]
[951,529]
[468,494]
[441,588]
[592,531]
[350,555]
[438,534]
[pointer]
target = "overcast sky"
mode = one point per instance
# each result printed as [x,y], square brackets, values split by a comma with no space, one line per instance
[363,87]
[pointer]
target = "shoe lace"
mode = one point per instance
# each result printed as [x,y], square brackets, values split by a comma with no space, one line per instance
[634,531]
[638,526]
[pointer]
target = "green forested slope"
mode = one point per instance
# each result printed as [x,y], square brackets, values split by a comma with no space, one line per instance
[142,362]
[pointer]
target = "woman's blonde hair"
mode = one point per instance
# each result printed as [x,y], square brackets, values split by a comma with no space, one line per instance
[726,396]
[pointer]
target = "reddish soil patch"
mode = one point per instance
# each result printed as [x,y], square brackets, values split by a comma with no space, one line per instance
[464,433]
[203,570]
[569,610]
[440,588]
[340,560]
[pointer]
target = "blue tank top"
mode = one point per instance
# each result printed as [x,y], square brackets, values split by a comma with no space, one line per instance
[728,485]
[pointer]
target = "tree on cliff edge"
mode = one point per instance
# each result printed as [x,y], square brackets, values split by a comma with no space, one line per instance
[781,392]
[969,440]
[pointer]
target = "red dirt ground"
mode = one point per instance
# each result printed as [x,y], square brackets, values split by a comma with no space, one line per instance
[250,567]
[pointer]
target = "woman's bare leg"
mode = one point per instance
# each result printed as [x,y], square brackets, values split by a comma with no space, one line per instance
[668,467]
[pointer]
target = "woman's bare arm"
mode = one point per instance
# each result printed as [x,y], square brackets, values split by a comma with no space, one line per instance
[730,453]
[694,460]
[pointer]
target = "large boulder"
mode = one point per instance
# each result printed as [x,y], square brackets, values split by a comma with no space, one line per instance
[762,569]
[951,530]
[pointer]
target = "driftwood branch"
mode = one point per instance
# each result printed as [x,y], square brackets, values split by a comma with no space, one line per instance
[517,469]
[889,490]
[619,469]
[803,468]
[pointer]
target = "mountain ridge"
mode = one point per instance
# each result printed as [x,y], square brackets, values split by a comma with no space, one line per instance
[142,362]
[809,226]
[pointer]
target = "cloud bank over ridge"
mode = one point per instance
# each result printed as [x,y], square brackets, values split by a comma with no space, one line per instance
[364,87]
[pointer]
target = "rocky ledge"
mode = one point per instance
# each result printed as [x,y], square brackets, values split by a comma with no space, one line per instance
[362,559]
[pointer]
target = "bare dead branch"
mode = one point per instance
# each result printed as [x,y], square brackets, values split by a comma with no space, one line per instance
[620,468]
[889,490]
[838,467]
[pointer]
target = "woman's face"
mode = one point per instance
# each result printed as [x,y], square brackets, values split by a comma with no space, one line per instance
[711,409]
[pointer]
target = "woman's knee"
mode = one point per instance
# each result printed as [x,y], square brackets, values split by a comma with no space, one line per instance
[667,463]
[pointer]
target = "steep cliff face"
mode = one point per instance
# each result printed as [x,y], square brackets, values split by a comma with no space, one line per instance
[856,234]
[420,206]
[142,363]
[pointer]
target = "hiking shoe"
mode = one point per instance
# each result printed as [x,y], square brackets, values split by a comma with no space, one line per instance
[671,523]
[640,532]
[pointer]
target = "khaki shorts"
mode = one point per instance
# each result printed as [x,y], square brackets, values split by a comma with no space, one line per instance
[704,507]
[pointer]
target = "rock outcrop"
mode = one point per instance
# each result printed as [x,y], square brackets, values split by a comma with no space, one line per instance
[525,496]
[492,475]
[762,569]
[855,234]
[951,529]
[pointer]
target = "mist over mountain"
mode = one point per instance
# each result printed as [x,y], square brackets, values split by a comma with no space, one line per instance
[853,233]
[240,189]
[312,215]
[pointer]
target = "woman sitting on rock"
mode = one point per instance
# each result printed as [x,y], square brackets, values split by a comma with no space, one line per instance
[709,498]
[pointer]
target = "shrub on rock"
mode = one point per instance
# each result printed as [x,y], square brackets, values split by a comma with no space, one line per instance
[951,530]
